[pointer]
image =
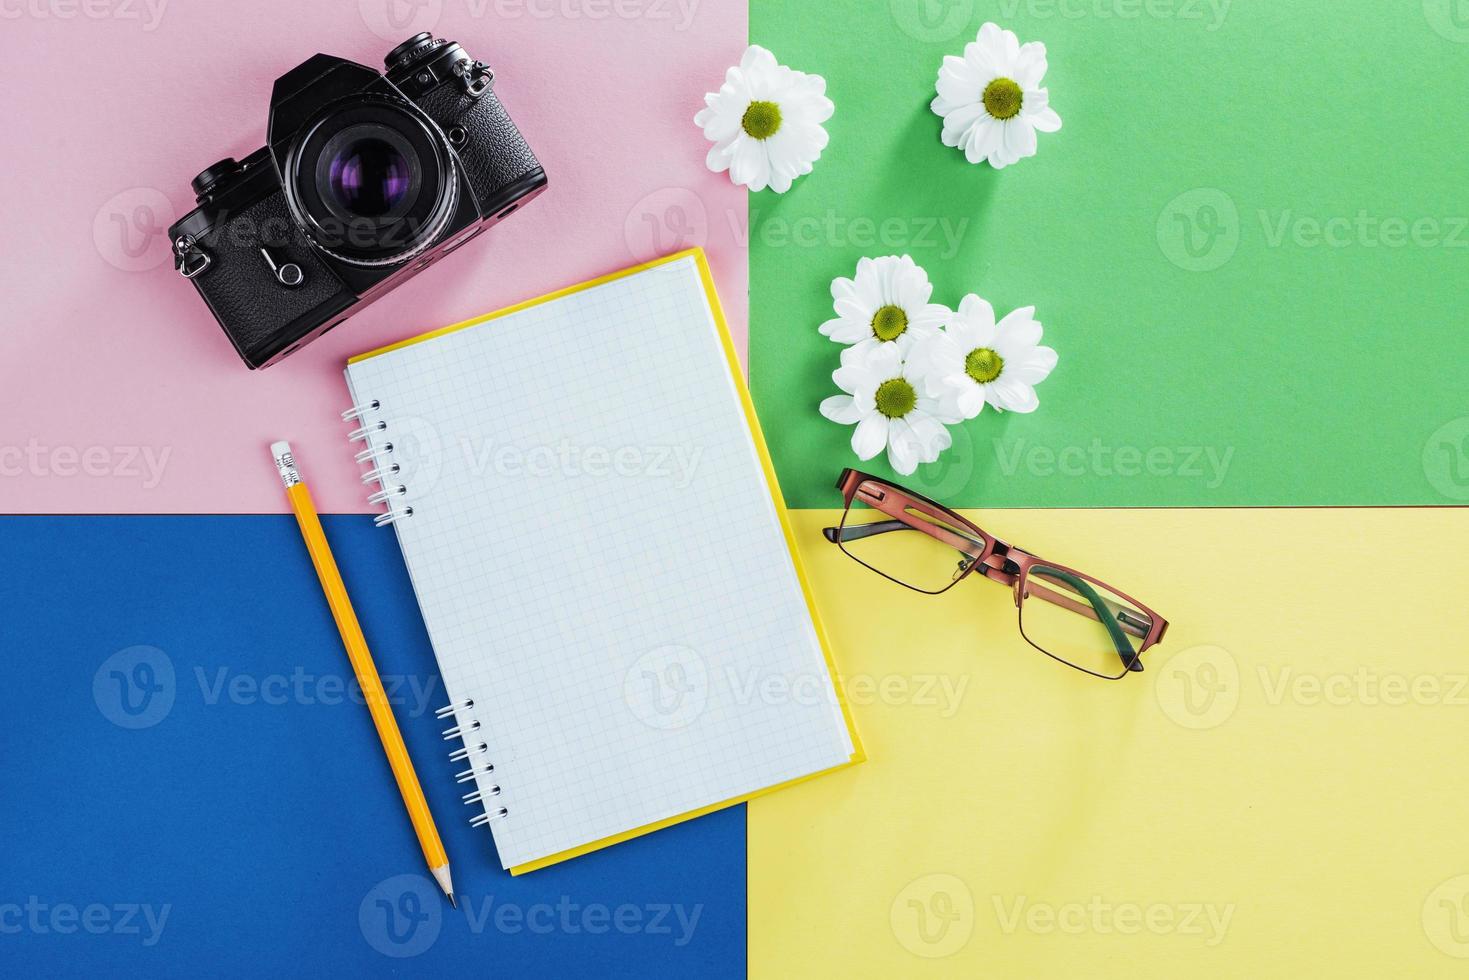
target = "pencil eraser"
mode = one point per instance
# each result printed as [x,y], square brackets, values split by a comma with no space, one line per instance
[285,463]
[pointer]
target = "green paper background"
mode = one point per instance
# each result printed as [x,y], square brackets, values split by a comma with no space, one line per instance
[1307,347]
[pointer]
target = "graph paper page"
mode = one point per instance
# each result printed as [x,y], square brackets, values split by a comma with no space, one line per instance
[599,563]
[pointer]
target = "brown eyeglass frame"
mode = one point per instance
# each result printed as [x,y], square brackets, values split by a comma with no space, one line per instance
[998,561]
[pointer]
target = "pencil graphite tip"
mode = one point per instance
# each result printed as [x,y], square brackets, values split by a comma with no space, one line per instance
[285,463]
[441,875]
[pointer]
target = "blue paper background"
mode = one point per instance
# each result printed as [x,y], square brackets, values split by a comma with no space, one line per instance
[252,801]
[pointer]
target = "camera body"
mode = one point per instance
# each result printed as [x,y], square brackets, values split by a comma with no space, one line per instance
[365,180]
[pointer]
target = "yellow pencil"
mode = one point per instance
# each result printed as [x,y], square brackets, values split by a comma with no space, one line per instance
[361,657]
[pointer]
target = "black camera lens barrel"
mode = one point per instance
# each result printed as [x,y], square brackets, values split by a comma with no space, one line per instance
[411,215]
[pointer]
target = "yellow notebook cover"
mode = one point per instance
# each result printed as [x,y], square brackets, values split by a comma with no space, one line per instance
[737,379]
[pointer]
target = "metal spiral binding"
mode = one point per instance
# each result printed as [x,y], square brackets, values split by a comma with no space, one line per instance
[475,750]
[383,470]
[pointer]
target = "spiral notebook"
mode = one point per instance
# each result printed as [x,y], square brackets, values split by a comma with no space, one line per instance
[603,560]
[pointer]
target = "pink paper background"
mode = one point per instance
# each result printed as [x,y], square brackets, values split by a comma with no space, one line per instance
[120,394]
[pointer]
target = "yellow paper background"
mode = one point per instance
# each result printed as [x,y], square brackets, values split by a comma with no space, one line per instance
[1292,758]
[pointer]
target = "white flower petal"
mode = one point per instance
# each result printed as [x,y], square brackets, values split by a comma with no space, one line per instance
[792,149]
[959,99]
[1017,333]
[870,436]
[977,310]
[1030,65]
[903,449]
[968,398]
[841,409]
[1033,367]
[859,352]
[844,330]
[853,377]
[1046,120]
[1011,394]
[885,361]
[933,437]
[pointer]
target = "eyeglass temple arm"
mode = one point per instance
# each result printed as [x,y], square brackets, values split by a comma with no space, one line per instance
[1103,611]
[1096,608]
[859,531]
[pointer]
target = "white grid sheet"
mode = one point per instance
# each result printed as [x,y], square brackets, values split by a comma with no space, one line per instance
[599,563]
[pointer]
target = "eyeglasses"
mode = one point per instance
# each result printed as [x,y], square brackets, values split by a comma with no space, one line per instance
[1065,614]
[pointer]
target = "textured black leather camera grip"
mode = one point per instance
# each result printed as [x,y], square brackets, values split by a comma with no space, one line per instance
[241,289]
[495,155]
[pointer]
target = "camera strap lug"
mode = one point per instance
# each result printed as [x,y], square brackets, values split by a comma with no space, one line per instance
[475,76]
[188,258]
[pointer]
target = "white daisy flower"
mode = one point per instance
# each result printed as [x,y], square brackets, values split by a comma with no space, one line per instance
[886,399]
[765,122]
[976,360]
[886,303]
[991,98]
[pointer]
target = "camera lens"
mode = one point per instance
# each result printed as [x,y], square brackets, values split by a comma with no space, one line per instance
[366,171]
[372,179]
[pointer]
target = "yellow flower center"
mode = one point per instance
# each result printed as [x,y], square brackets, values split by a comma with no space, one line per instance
[1002,98]
[889,322]
[983,365]
[761,120]
[896,398]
